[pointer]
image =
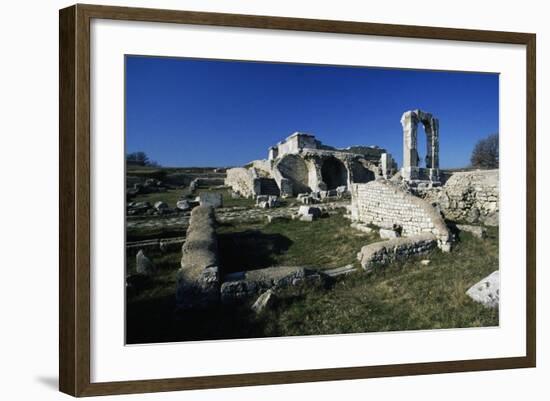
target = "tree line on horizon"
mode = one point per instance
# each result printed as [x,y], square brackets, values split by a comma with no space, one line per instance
[140,159]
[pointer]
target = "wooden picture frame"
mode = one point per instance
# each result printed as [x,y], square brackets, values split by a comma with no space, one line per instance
[74,204]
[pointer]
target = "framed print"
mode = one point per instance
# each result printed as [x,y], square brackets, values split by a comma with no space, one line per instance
[250,200]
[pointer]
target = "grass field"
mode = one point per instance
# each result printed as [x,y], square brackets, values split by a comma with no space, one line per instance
[402,296]
[325,243]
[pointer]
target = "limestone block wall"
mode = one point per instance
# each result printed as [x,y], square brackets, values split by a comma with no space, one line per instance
[471,196]
[384,204]
[384,252]
[242,181]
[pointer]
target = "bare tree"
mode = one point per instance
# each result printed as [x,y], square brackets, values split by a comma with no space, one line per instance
[485,153]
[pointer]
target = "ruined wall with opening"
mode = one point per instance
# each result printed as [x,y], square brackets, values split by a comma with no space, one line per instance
[334,173]
[384,204]
[295,169]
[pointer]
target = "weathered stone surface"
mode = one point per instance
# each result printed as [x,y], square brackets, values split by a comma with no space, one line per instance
[477,231]
[341,190]
[487,291]
[411,172]
[362,227]
[267,201]
[385,204]
[384,252]
[386,233]
[160,205]
[308,199]
[198,280]
[213,199]
[264,301]
[144,264]
[243,181]
[471,196]
[388,166]
[137,208]
[206,182]
[246,284]
[309,211]
[307,217]
[185,205]
[425,262]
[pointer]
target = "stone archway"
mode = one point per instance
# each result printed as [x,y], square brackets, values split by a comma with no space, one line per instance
[411,169]
[294,168]
[334,173]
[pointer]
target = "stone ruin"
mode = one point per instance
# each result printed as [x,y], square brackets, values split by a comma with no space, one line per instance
[408,207]
[411,171]
[302,164]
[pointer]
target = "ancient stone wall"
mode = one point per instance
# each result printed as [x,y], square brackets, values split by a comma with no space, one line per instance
[384,204]
[295,142]
[243,181]
[198,283]
[295,169]
[384,252]
[471,196]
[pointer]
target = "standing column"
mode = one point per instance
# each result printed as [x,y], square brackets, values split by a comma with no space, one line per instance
[409,121]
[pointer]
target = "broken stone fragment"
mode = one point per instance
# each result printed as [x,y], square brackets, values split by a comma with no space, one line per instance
[477,231]
[386,233]
[213,199]
[183,205]
[309,210]
[487,291]
[307,217]
[264,301]
[144,264]
[160,206]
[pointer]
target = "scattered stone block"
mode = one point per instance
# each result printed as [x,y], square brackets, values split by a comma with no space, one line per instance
[341,190]
[425,262]
[307,217]
[144,264]
[161,206]
[386,233]
[212,199]
[185,205]
[308,199]
[309,210]
[477,231]
[362,227]
[487,290]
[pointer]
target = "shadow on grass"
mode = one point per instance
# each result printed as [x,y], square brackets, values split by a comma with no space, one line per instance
[155,321]
[250,249]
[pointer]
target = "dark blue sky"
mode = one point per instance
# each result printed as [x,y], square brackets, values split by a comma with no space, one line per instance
[185,112]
